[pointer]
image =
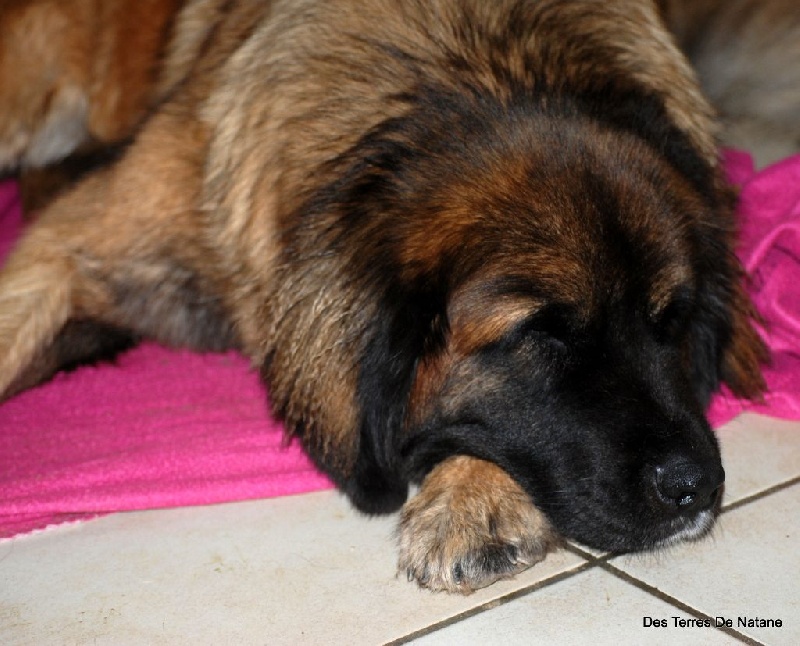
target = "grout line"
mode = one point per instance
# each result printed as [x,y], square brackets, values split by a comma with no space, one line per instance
[494,603]
[662,596]
[577,550]
[602,562]
[761,494]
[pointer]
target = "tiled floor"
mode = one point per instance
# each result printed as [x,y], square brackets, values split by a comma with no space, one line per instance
[307,570]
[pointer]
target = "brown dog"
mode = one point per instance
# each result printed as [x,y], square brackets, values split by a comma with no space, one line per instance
[75,78]
[481,246]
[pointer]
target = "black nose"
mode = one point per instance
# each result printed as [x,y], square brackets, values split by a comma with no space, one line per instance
[685,486]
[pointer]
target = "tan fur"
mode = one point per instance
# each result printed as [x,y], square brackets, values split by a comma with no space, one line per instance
[74,77]
[35,304]
[88,73]
[467,511]
[44,111]
[185,238]
[68,251]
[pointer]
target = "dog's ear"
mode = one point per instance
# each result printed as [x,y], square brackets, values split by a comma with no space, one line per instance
[724,344]
[406,302]
[746,352]
[408,326]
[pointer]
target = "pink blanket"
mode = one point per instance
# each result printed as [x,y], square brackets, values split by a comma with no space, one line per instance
[770,250]
[167,428]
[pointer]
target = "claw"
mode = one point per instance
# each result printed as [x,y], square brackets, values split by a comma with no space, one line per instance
[458,573]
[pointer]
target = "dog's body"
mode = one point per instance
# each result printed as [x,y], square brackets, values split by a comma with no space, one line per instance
[75,78]
[483,246]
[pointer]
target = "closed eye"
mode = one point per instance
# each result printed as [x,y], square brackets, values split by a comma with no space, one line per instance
[552,324]
[671,321]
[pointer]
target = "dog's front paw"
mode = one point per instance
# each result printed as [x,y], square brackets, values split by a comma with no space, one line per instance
[469,526]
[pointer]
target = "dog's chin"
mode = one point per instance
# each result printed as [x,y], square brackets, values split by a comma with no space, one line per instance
[669,534]
[681,530]
[649,537]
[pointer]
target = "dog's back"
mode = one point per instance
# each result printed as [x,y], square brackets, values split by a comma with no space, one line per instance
[77,73]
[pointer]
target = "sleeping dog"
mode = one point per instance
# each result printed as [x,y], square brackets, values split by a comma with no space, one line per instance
[482,247]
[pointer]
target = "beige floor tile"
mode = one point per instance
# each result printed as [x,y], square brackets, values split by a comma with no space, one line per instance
[308,570]
[758,453]
[302,570]
[592,607]
[750,568]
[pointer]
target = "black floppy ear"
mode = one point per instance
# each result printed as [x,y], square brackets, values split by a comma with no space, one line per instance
[746,351]
[724,345]
[709,336]
[409,324]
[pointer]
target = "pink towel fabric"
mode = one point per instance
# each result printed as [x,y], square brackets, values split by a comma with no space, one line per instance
[160,428]
[770,251]
[166,428]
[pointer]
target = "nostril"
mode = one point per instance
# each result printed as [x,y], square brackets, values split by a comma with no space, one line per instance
[685,485]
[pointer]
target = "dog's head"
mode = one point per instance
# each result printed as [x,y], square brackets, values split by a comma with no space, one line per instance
[563,302]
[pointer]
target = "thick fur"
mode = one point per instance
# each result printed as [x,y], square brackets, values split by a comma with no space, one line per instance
[76,78]
[486,247]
